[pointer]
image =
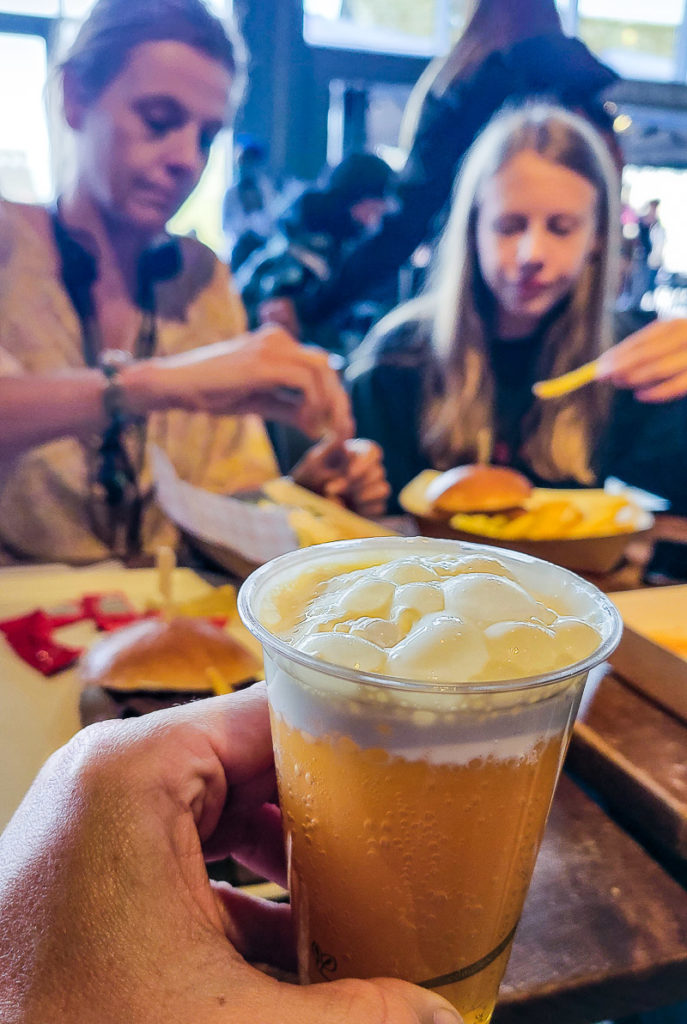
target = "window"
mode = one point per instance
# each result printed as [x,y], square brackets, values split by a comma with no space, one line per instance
[419,27]
[24,149]
[636,37]
[667,184]
[40,8]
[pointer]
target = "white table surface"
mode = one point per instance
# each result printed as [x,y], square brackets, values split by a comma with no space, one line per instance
[39,714]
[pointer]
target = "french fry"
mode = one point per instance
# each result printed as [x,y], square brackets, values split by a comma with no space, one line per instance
[556,387]
[311,529]
[519,527]
[581,514]
[554,521]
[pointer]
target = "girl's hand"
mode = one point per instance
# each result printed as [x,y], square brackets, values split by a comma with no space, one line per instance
[351,472]
[652,362]
[267,373]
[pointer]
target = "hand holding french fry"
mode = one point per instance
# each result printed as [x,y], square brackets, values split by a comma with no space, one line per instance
[651,362]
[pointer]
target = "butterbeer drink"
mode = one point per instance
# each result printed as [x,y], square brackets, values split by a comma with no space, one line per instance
[422,694]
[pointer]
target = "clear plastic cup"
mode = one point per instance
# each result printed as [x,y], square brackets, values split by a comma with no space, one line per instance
[413,811]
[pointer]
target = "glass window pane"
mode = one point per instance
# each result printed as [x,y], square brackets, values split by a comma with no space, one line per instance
[634,36]
[457,17]
[25,173]
[44,8]
[382,26]
[80,8]
[668,185]
[76,8]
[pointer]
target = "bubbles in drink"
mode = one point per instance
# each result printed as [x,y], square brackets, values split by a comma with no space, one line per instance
[575,635]
[382,632]
[367,596]
[513,643]
[484,598]
[347,650]
[437,648]
[422,598]
[406,570]
[438,618]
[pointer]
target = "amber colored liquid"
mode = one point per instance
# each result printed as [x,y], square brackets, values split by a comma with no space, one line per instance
[406,868]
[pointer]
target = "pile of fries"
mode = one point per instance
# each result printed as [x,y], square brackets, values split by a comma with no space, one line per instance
[556,515]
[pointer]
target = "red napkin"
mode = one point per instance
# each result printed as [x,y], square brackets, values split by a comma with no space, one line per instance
[30,637]
[110,610]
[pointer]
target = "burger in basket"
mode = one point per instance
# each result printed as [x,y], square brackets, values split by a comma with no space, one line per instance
[478,488]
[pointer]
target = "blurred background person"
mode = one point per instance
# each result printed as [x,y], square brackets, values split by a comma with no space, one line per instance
[248,217]
[316,234]
[652,236]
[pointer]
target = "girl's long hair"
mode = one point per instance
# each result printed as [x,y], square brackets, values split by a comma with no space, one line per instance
[457,422]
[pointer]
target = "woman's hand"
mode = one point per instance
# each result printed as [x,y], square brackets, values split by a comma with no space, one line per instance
[267,373]
[652,362]
[351,471]
[106,909]
[280,310]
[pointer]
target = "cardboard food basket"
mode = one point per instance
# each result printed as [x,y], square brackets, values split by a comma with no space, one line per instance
[596,554]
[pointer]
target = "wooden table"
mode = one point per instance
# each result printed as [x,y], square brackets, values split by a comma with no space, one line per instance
[604,929]
[633,754]
[630,750]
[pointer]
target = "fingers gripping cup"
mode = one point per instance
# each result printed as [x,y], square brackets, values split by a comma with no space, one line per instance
[422,694]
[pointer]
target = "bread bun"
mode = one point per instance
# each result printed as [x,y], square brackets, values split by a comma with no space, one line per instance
[478,488]
[183,655]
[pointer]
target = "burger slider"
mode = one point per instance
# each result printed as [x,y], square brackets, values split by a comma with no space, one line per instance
[156,663]
[478,488]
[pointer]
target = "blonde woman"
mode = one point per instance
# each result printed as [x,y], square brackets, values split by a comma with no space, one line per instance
[522,290]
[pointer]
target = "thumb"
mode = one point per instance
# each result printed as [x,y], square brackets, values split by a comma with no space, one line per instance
[380,1001]
[333,451]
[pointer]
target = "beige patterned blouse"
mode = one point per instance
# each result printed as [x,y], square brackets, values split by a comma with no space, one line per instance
[47,495]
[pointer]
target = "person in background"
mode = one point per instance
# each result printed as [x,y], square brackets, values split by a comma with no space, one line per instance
[509,50]
[523,289]
[316,233]
[652,236]
[116,335]
[248,207]
[107,913]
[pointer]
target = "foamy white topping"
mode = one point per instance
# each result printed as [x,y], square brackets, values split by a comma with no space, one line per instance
[441,619]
